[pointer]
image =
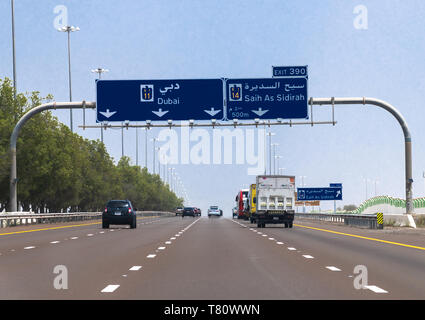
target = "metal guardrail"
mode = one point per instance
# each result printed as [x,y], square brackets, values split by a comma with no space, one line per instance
[371,221]
[25,218]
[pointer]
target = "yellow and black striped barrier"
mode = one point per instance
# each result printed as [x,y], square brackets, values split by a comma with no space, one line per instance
[380,220]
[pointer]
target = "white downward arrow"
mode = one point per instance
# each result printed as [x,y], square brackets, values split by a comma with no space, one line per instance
[160,113]
[108,114]
[260,112]
[212,112]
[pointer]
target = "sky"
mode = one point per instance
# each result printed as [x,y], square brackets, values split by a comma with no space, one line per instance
[188,39]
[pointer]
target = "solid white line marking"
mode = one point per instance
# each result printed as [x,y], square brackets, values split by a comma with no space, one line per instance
[332,268]
[27,248]
[135,268]
[111,288]
[308,256]
[292,249]
[150,256]
[53,242]
[376,289]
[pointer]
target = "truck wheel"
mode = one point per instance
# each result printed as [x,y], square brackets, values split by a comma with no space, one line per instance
[290,225]
[286,224]
[105,225]
[264,225]
[259,225]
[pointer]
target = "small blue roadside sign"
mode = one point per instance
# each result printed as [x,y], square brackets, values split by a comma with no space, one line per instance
[335,185]
[269,98]
[159,100]
[291,72]
[305,194]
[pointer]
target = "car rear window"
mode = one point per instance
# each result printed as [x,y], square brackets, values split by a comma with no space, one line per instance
[188,208]
[117,204]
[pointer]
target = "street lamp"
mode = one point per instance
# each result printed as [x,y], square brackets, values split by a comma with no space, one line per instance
[270,134]
[303,185]
[13,49]
[153,155]
[366,180]
[277,158]
[99,71]
[69,29]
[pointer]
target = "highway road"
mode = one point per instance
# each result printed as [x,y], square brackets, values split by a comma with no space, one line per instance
[209,258]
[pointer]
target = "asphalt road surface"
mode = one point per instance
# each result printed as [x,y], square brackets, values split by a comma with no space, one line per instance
[210,258]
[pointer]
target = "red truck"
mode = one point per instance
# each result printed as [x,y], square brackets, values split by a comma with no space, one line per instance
[242,203]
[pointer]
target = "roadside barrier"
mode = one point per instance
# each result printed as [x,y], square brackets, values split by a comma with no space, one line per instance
[25,218]
[371,221]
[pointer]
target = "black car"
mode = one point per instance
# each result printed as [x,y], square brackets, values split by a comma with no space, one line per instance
[119,212]
[189,211]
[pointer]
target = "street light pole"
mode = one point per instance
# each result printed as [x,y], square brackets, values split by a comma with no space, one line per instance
[137,148]
[270,134]
[13,49]
[99,71]
[153,155]
[69,29]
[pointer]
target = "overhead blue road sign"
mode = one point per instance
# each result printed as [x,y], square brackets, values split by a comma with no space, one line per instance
[335,185]
[304,194]
[269,98]
[156,100]
[291,72]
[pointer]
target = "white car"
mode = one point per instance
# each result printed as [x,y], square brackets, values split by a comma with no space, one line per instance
[214,211]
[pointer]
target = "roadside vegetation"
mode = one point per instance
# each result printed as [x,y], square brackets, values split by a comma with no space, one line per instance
[58,169]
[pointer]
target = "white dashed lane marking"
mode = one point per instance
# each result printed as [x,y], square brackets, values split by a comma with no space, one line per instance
[332,268]
[167,242]
[292,249]
[73,238]
[150,256]
[135,268]
[28,248]
[308,256]
[111,288]
[376,289]
[54,242]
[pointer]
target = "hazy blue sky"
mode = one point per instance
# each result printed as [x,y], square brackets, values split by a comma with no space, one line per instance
[159,39]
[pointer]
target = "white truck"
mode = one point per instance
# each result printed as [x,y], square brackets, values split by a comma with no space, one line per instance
[274,200]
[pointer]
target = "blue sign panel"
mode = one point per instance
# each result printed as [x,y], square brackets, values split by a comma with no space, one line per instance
[290,72]
[269,98]
[335,185]
[156,100]
[304,194]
